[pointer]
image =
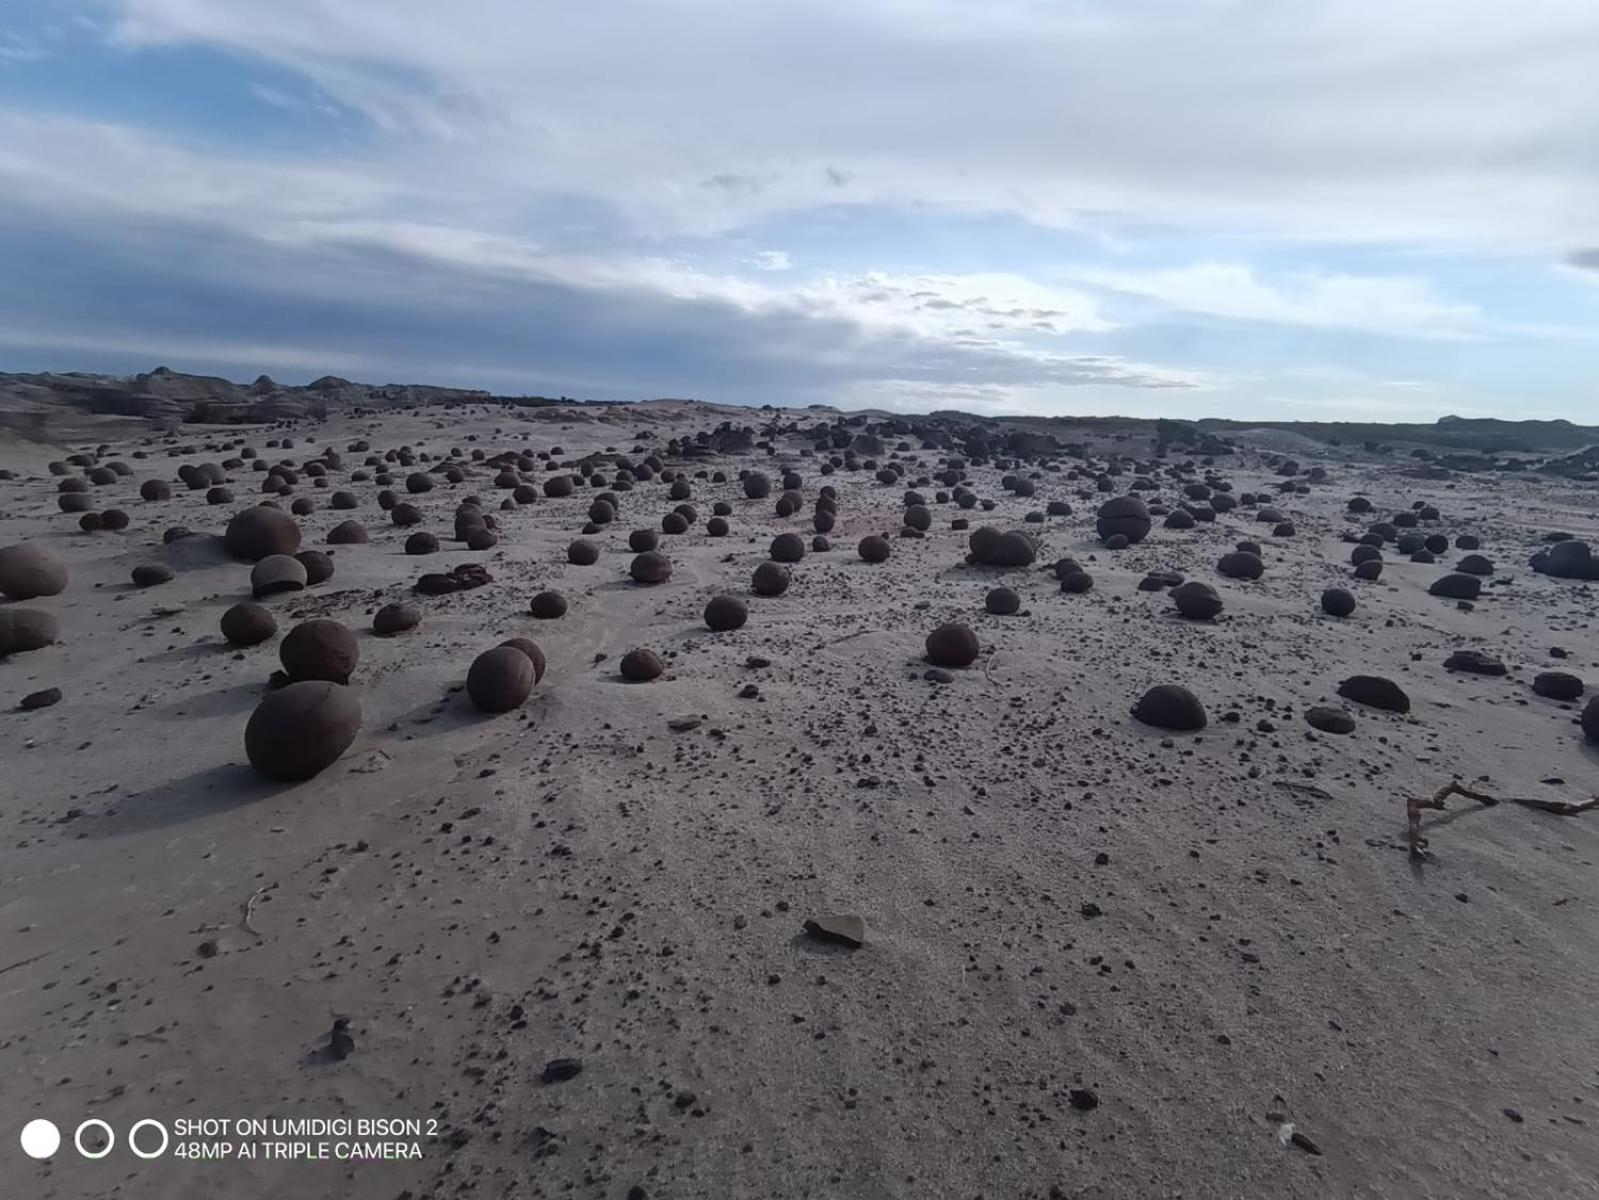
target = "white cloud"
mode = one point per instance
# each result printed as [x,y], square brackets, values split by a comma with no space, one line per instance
[1394,305]
[773,260]
[1436,120]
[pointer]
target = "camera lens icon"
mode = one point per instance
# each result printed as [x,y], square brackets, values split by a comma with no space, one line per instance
[133,1138]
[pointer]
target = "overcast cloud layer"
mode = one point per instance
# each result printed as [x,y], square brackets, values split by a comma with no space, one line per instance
[1226,207]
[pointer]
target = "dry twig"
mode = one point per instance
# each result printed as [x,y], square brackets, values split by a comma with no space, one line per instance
[1414,805]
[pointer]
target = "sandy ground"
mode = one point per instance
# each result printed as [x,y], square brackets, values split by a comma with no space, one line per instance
[480,896]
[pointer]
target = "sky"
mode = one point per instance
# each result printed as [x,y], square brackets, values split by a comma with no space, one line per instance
[1340,210]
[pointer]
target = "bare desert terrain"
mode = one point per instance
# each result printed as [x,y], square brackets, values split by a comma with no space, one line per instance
[1097,957]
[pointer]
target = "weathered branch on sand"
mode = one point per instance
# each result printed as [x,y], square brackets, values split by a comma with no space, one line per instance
[1414,805]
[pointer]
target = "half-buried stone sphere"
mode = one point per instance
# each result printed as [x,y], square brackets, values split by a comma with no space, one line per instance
[348,533]
[258,532]
[500,679]
[248,624]
[1241,564]
[1170,706]
[320,649]
[650,567]
[1369,570]
[534,654]
[952,645]
[874,548]
[1195,600]
[1126,515]
[318,566]
[24,629]
[1456,587]
[1375,692]
[547,606]
[582,554]
[1337,602]
[300,730]
[640,666]
[277,573]
[1329,719]
[641,540]
[788,548]
[1590,720]
[770,579]
[724,613]
[1002,601]
[1557,685]
[151,574]
[1077,582]
[422,542]
[395,618]
[28,571]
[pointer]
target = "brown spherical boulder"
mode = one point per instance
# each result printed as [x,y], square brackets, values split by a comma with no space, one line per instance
[155,489]
[248,624]
[674,522]
[918,516]
[1170,706]
[395,618]
[788,548]
[74,502]
[28,571]
[500,679]
[318,566]
[1075,583]
[874,548]
[1125,515]
[534,654]
[25,629]
[301,730]
[258,532]
[717,527]
[151,574]
[422,542]
[640,665]
[725,613]
[952,645]
[348,533]
[757,486]
[548,606]
[557,486]
[114,519]
[320,649]
[770,579]
[89,522]
[650,567]
[1557,685]
[1196,601]
[1329,719]
[277,573]
[1456,587]
[1369,570]
[1002,602]
[641,540]
[582,554]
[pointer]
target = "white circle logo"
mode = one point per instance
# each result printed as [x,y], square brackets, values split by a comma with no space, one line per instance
[110,1138]
[40,1138]
[134,1133]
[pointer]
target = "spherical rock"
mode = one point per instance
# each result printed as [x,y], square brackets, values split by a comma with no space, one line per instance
[248,624]
[717,527]
[724,613]
[534,654]
[770,579]
[151,574]
[422,542]
[28,571]
[1170,706]
[1557,685]
[788,548]
[1475,564]
[301,729]
[641,540]
[1369,570]
[500,679]
[874,548]
[1456,587]
[1075,583]
[952,645]
[256,533]
[547,606]
[757,486]
[155,489]
[395,618]
[1195,600]
[1590,720]
[277,573]
[405,515]
[1375,692]
[1475,662]
[650,567]
[918,516]
[1002,601]
[1125,515]
[1337,602]
[582,554]
[25,629]
[639,666]
[1329,719]
[114,519]
[1241,564]
[320,649]
[348,533]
